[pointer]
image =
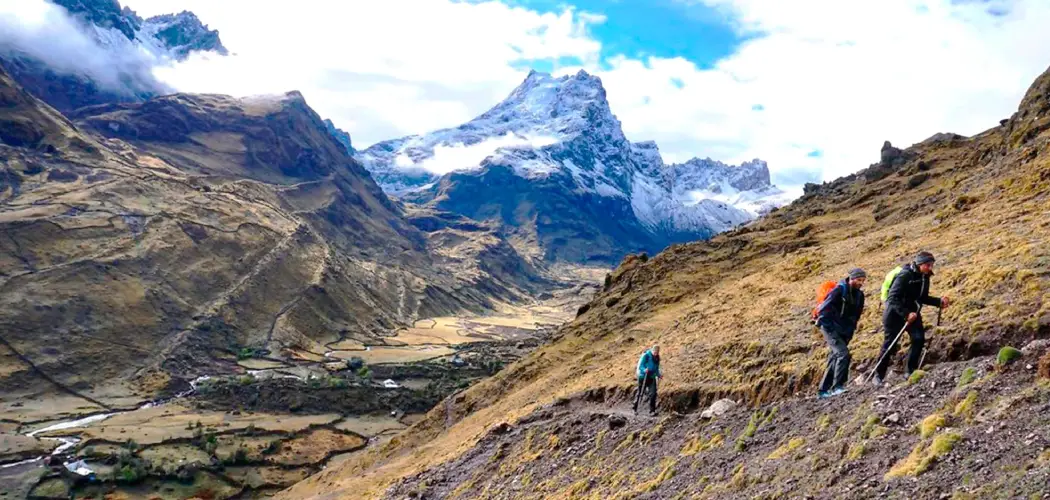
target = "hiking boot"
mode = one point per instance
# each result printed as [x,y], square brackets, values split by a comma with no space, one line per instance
[877,381]
[836,391]
[823,395]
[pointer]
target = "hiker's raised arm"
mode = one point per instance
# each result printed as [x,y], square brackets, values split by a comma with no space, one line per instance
[931,300]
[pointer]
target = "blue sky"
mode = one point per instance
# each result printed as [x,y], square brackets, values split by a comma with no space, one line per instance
[660,28]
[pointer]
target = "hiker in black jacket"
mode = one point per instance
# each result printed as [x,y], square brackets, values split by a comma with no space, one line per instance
[908,293]
[837,318]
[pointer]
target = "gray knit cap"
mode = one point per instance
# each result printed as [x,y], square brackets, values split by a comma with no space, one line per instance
[924,257]
[857,273]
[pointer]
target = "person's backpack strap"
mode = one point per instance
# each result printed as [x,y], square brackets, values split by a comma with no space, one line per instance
[845,297]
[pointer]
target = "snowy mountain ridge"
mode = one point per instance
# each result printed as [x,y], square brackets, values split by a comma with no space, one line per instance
[564,127]
[110,53]
[167,36]
[541,112]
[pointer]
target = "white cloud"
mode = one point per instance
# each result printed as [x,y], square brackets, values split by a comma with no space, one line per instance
[46,32]
[379,69]
[834,76]
[465,157]
[839,77]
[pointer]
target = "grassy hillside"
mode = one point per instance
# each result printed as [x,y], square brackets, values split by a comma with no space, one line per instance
[731,314]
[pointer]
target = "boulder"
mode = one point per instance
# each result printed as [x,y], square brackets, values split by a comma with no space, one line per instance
[1036,347]
[719,408]
[501,428]
[336,366]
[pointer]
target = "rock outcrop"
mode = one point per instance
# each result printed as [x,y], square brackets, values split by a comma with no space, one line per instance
[340,135]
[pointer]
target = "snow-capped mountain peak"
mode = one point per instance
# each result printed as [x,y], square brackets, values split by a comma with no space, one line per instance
[542,111]
[553,106]
[182,34]
[560,133]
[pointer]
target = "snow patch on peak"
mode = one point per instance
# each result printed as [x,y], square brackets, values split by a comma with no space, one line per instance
[563,106]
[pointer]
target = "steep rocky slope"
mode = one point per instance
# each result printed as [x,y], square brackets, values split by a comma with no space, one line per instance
[731,315]
[195,226]
[571,187]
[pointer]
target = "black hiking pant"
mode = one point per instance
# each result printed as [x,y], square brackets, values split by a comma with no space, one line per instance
[892,324]
[642,383]
[837,373]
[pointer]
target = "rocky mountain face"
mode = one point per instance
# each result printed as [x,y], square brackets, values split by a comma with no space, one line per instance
[746,186]
[739,417]
[129,46]
[145,244]
[182,34]
[340,135]
[106,14]
[571,187]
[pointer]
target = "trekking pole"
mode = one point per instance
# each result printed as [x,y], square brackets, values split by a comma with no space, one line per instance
[639,395]
[924,349]
[888,349]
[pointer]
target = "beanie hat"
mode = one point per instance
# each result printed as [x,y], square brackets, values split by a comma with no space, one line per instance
[857,273]
[924,257]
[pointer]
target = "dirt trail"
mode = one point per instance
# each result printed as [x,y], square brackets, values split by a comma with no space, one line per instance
[211,309]
[62,387]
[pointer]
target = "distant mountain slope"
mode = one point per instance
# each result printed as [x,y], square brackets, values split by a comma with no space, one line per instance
[552,165]
[732,317]
[198,225]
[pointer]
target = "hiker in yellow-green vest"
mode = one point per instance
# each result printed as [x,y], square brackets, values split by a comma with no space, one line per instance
[909,291]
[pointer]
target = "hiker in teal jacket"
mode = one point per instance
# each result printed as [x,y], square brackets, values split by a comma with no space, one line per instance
[648,371]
